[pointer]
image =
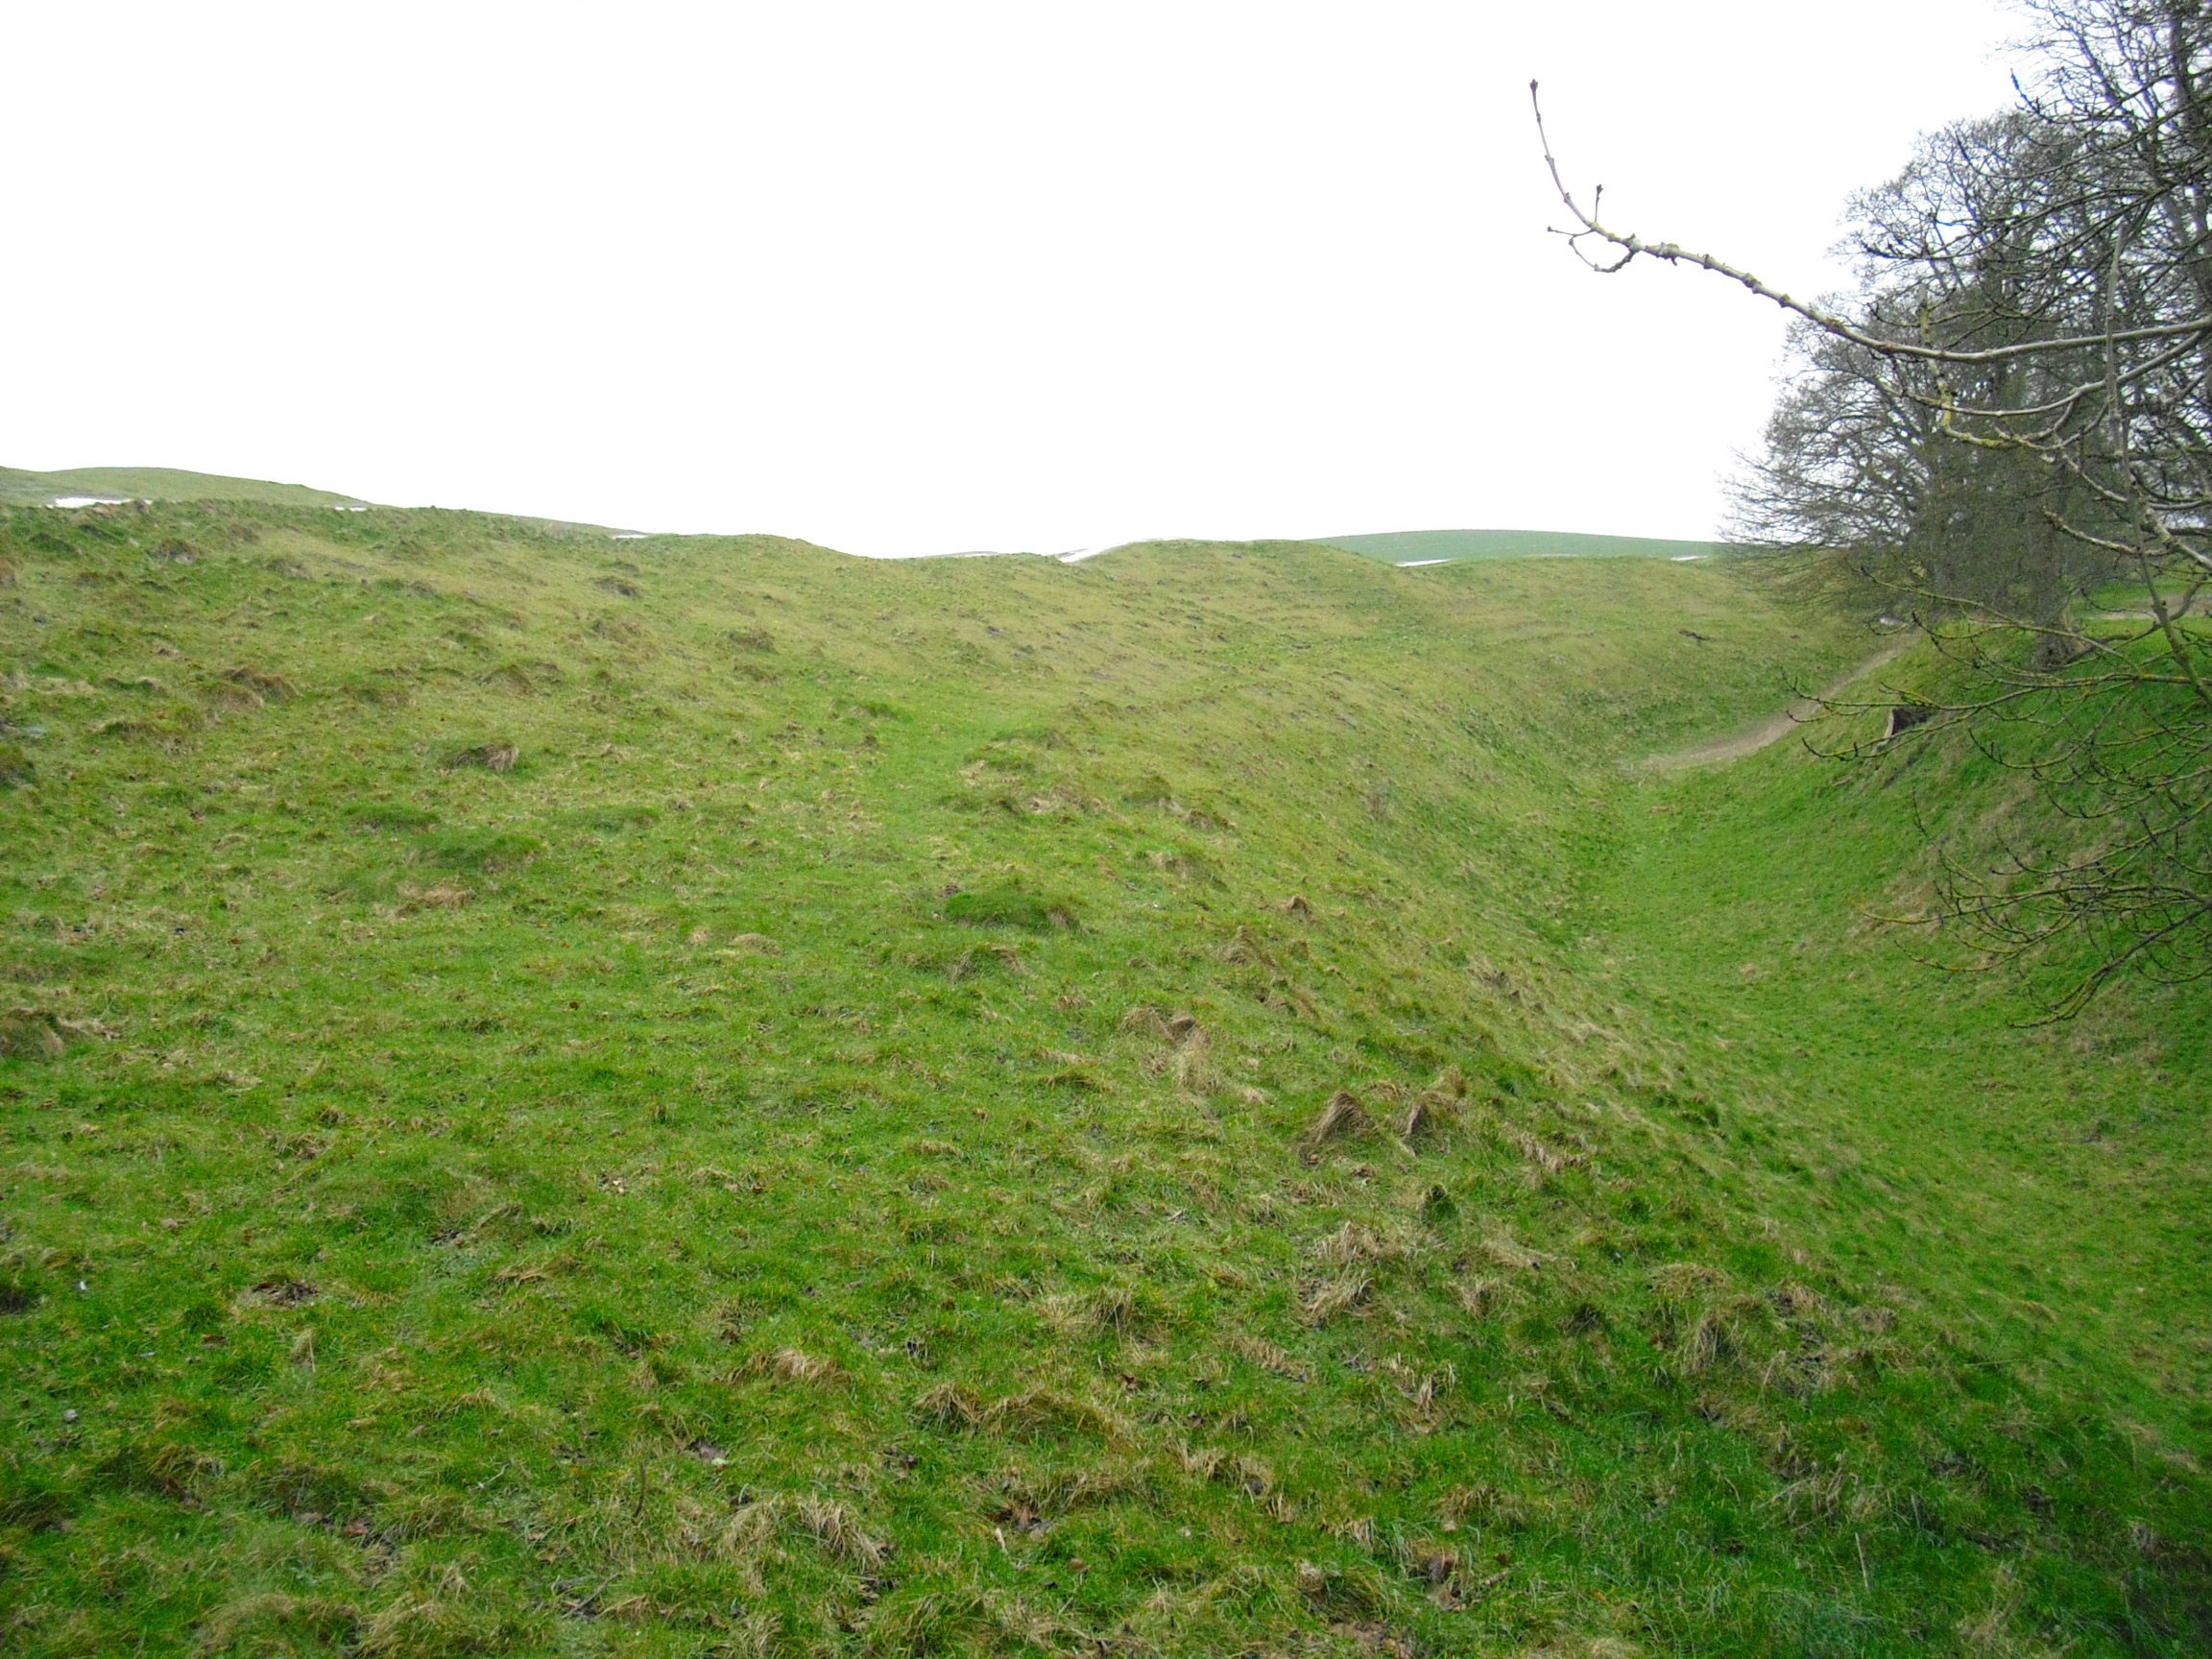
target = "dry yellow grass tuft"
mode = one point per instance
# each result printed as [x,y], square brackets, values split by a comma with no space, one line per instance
[1334,1296]
[1711,1340]
[1207,1462]
[1515,1256]
[1245,949]
[445,896]
[838,1530]
[1341,1116]
[309,1616]
[29,1034]
[1546,1159]
[1686,1282]
[1092,1313]
[794,1365]
[1353,1244]
[1049,1411]
[1483,1297]
[1193,1067]
[1267,1356]
[948,1405]
[1432,1108]
[493,757]
[228,696]
[1795,1302]
[1145,1021]
[264,685]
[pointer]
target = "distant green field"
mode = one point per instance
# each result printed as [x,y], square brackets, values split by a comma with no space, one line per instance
[155,484]
[1415,546]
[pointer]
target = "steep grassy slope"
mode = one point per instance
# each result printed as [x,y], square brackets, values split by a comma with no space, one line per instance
[1411,546]
[2053,1175]
[154,484]
[699,1095]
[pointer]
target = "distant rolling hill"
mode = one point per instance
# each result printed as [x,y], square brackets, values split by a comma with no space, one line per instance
[24,488]
[157,484]
[1419,546]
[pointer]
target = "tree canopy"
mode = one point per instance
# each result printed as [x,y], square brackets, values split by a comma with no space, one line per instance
[2004,438]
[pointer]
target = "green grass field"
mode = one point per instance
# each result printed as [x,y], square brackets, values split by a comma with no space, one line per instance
[1431,546]
[698,1095]
[154,484]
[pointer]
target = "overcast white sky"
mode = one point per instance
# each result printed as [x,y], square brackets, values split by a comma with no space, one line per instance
[918,278]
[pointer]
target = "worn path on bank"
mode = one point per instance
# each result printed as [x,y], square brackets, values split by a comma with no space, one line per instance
[1749,739]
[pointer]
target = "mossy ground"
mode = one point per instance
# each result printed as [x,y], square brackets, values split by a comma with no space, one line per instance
[703,1097]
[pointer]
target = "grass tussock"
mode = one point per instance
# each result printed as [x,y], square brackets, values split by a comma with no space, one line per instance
[30,1034]
[1006,907]
[1338,1294]
[1111,1310]
[794,1366]
[1341,1115]
[496,755]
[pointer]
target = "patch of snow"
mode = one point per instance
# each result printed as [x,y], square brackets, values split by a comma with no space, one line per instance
[1416,564]
[631,535]
[88,501]
[348,507]
[1683,558]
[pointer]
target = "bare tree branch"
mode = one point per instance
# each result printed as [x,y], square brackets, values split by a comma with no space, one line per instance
[1828,321]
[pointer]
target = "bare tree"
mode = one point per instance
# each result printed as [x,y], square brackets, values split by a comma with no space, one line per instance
[2005,437]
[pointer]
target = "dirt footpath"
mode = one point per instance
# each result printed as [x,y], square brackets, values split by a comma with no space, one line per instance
[1749,739]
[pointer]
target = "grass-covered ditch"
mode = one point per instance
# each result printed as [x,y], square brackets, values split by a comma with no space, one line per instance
[1194,1102]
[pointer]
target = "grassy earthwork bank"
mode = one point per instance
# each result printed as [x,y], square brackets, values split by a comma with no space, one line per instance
[18,488]
[1438,546]
[703,1097]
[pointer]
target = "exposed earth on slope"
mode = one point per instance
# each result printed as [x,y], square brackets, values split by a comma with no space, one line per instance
[1802,711]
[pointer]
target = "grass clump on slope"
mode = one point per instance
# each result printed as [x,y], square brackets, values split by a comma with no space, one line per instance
[1005,908]
[692,1234]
